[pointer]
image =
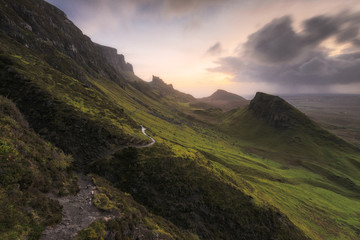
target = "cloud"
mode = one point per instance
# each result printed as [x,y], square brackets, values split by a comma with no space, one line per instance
[276,42]
[184,6]
[315,69]
[156,8]
[215,49]
[279,54]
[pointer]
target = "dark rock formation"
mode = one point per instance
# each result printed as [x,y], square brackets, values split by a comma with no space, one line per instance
[274,110]
[116,60]
[168,90]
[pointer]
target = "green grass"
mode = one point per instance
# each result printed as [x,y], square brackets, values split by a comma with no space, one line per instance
[132,221]
[238,160]
[267,168]
[193,194]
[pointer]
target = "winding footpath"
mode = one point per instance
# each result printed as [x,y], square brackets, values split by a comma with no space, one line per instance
[147,145]
[79,211]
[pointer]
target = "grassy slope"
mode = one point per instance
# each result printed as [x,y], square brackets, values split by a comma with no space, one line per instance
[135,221]
[61,107]
[29,167]
[46,66]
[324,207]
[157,112]
[321,172]
[188,192]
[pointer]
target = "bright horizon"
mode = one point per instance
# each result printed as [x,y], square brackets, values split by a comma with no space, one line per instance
[199,46]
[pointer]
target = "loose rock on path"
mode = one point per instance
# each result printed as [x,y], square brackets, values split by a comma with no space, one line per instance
[78,212]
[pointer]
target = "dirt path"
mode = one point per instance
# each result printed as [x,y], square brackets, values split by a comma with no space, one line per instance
[143,129]
[79,211]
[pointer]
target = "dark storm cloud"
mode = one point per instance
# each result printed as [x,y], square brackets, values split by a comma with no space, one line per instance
[278,42]
[279,54]
[319,28]
[348,34]
[214,49]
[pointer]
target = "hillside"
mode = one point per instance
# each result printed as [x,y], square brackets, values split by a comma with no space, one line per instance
[30,167]
[282,132]
[259,172]
[49,75]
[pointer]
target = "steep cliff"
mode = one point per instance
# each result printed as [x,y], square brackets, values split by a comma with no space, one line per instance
[117,61]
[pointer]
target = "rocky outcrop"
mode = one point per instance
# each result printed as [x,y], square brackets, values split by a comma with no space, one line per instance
[159,83]
[166,90]
[116,60]
[275,111]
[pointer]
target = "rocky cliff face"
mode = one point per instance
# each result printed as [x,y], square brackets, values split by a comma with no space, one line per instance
[159,83]
[117,61]
[168,90]
[44,29]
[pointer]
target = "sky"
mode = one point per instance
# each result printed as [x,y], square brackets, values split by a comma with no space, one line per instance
[242,46]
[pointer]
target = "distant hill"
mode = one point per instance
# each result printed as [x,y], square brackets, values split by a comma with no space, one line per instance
[222,95]
[221,99]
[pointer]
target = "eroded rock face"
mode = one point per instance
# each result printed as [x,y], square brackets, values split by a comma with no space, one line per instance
[116,60]
[167,90]
[273,109]
[158,82]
